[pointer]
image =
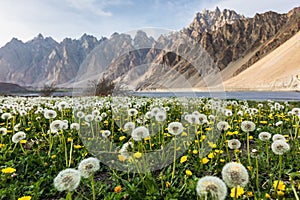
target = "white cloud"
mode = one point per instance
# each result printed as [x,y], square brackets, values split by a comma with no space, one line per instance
[90,6]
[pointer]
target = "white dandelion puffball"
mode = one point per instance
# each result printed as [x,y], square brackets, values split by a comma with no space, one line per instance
[279,147]
[132,112]
[248,126]
[67,179]
[213,185]
[80,114]
[161,116]
[139,133]
[278,137]
[264,136]
[50,114]
[6,116]
[192,119]
[175,128]
[89,117]
[56,126]
[17,137]
[106,133]
[154,111]
[129,126]
[222,126]
[88,166]
[75,126]
[234,144]
[235,174]
[3,131]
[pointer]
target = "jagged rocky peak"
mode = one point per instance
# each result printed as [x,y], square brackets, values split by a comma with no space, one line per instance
[212,20]
[88,41]
[141,40]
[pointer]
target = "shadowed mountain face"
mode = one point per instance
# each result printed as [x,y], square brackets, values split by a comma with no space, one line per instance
[215,42]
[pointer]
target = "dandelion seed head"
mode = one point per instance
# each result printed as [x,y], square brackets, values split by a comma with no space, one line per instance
[234,144]
[139,133]
[278,137]
[279,147]
[67,179]
[235,174]
[213,185]
[88,166]
[17,137]
[222,126]
[264,136]
[175,128]
[248,126]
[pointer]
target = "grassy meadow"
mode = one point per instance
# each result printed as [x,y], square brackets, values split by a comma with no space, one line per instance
[148,148]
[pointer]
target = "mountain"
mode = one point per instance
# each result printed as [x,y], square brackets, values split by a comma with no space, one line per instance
[43,60]
[277,70]
[233,47]
[218,46]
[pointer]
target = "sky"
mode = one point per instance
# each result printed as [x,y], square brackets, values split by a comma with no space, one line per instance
[61,19]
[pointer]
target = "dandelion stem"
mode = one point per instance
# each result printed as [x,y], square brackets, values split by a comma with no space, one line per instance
[267,152]
[174,160]
[93,187]
[294,190]
[22,148]
[257,183]
[248,149]
[70,155]
[279,175]
[69,196]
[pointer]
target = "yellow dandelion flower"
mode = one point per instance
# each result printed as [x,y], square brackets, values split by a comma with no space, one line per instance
[219,151]
[188,172]
[250,194]
[238,191]
[263,122]
[281,185]
[8,170]
[77,146]
[168,184]
[183,159]
[184,134]
[195,151]
[280,193]
[23,141]
[53,156]
[118,189]
[25,198]
[229,133]
[267,196]
[211,155]
[121,158]
[122,138]
[222,160]
[204,160]
[69,139]
[212,145]
[138,155]
[2,145]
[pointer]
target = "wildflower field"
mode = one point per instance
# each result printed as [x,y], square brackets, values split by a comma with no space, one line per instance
[148,148]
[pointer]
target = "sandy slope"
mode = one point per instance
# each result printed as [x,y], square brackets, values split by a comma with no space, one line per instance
[279,70]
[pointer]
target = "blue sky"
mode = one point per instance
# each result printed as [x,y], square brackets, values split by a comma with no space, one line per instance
[72,18]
